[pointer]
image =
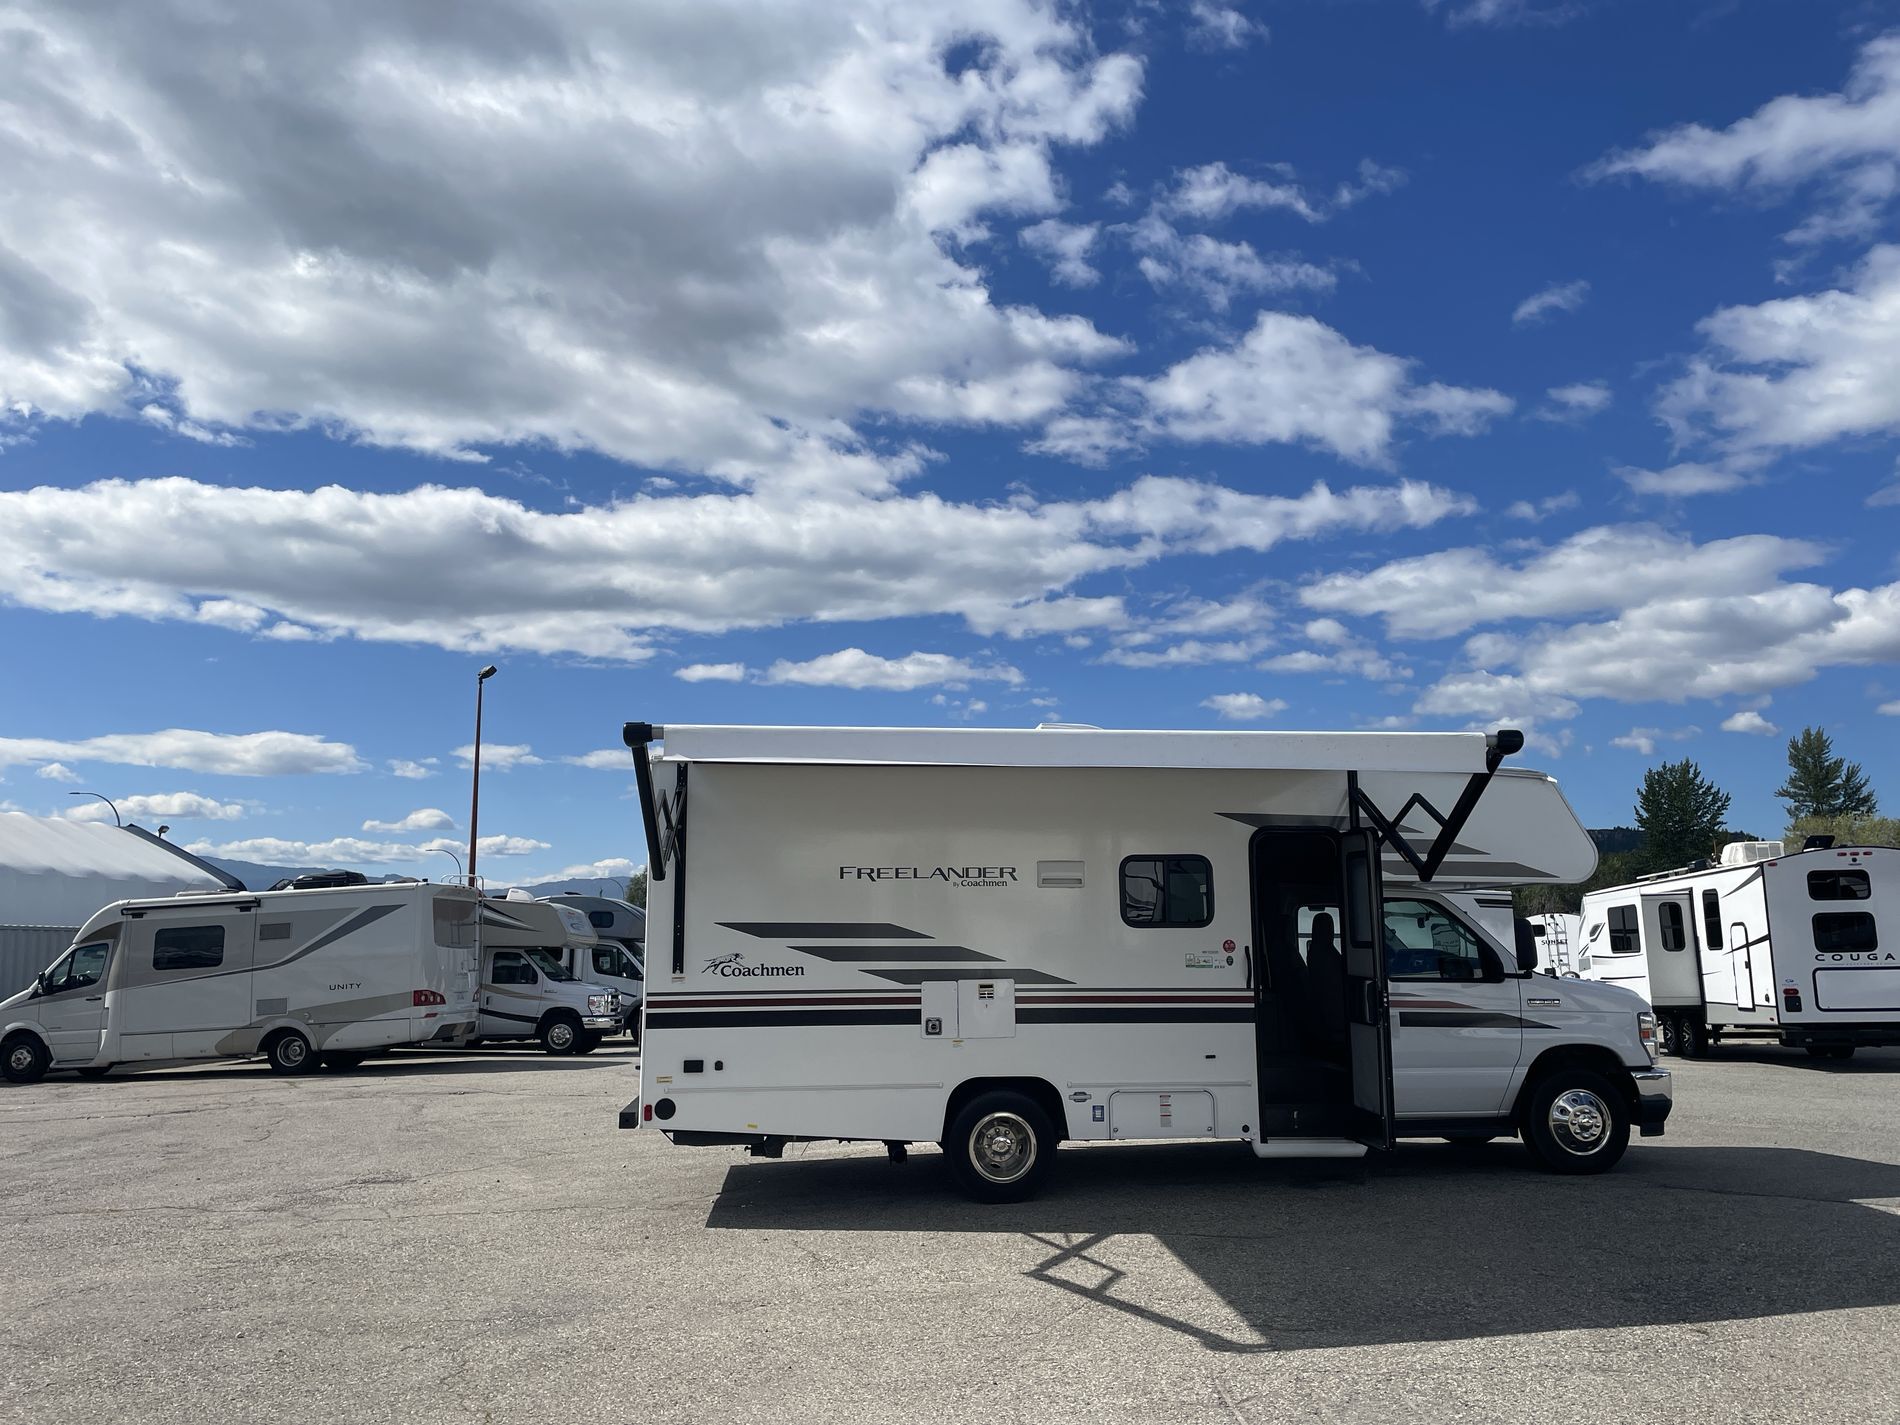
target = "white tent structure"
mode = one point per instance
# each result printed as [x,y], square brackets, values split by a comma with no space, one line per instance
[55,873]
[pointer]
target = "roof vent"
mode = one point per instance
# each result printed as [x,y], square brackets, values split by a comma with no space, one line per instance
[1747,853]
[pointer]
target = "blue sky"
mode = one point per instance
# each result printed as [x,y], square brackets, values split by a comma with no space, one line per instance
[1372,363]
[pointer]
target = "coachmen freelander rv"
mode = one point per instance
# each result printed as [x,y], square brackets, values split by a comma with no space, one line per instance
[997,940]
[1801,948]
[299,976]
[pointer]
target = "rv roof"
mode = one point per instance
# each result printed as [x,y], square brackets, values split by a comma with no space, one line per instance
[1080,747]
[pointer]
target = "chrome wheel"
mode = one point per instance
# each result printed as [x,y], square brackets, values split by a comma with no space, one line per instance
[1002,1147]
[561,1036]
[1579,1121]
[21,1059]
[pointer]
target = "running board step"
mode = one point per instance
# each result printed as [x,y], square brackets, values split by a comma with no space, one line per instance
[1309,1148]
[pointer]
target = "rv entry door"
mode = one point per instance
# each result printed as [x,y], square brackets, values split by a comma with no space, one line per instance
[1367,1006]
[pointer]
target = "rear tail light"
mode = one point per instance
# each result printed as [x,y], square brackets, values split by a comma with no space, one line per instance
[422,997]
[1791,999]
[646,1113]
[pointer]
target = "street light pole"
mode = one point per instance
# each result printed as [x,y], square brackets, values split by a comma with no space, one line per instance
[104,798]
[456,859]
[475,763]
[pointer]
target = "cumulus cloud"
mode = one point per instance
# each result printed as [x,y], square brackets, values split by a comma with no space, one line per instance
[1891,709]
[1683,480]
[1215,270]
[1558,297]
[486,846]
[237,754]
[611,868]
[498,756]
[1213,191]
[1537,511]
[1645,739]
[1576,402]
[854,668]
[705,238]
[1847,143]
[1065,248]
[1214,25]
[167,806]
[1244,707]
[1748,720]
[711,673]
[1186,654]
[57,772]
[1499,14]
[281,851]
[422,819]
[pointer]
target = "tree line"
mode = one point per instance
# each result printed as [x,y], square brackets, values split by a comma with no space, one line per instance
[1681,818]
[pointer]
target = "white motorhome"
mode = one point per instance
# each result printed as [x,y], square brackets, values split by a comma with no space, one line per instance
[1559,942]
[300,976]
[996,940]
[592,955]
[1801,947]
[528,990]
[610,918]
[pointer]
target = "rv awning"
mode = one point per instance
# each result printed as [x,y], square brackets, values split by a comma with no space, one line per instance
[1081,747]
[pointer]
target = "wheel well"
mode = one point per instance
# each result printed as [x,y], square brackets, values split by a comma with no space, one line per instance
[264,1044]
[24,1034]
[1040,1091]
[1594,1057]
[558,1012]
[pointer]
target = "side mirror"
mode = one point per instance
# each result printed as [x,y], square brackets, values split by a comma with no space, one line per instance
[39,983]
[1526,947]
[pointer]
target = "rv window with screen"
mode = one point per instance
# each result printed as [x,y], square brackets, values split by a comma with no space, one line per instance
[511,968]
[188,947]
[1839,886]
[1422,942]
[1623,937]
[1712,919]
[1167,892]
[1673,931]
[1845,930]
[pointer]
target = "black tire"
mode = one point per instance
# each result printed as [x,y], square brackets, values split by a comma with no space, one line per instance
[1692,1037]
[344,1061]
[290,1053]
[1820,1051]
[24,1060]
[560,1032]
[999,1147]
[95,1071]
[1671,1028]
[1840,1051]
[1576,1121]
[587,1043]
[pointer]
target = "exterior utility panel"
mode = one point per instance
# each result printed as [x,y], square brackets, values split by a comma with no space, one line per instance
[849,946]
[1801,948]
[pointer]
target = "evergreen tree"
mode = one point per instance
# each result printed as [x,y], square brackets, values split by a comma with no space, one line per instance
[637,889]
[1821,784]
[1680,811]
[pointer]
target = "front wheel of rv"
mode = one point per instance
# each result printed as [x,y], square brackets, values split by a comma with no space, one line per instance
[289,1053]
[999,1147]
[1576,1121]
[24,1059]
[560,1033]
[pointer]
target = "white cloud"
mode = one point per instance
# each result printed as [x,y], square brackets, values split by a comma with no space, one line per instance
[1065,248]
[1214,191]
[1798,371]
[1186,654]
[613,868]
[422,819]
[1503,13]
[276,850]
[1748,720]
[247,754]
[1576,402]
[486,846]
[1294,380]
[57,772]
[1646,739]
[1215,270]
[167,806]
[476,573]
[1537,511]
[1885,495]
[411,771]
[1214,25]
[1849,142]
[498,756]
[606,759]
[1686,479]
[1558,297]
[1348,657]
[1891,709]
[854,668]
[1244,707]
[711,673]
[696,238]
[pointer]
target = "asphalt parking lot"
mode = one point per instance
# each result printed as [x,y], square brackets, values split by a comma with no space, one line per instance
[472,1239]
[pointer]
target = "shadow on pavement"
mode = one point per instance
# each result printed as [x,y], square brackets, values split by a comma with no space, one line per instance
[395,1065]
[1425,1244]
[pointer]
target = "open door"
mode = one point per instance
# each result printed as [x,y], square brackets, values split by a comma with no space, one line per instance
[1368,1015]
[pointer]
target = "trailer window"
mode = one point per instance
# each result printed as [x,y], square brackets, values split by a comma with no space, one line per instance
[454,922]
[1422,942]
[601,919]
[188,947]
[1845,930]
[1624,939]
[1712,919]
[1167,892]
[1839,886]
[1674,933]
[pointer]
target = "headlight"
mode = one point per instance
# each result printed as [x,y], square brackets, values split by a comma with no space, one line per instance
[1646,1031]
[605,1004]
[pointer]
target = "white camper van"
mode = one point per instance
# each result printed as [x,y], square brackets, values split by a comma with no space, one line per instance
[997,940]
[591,955]
[1802,947]
[528,991]
[300,976]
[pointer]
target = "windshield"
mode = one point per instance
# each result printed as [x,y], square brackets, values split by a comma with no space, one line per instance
[550,965]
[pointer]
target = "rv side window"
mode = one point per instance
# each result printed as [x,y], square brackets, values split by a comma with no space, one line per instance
[1674,935]
[601,919]
[1422,942]
[454,922]
[188,947]
[1845,930]
[1624,939]
[1167,892]
[511,968]
[1839,886]
[1712,919]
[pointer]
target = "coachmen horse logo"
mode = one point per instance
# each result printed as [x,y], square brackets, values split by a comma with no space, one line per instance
[735,958]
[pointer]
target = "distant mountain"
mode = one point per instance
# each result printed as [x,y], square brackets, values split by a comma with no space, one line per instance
[1612,839]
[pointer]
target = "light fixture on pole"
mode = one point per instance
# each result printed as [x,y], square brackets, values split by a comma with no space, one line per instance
[117,819]
[456,859]
[475,767]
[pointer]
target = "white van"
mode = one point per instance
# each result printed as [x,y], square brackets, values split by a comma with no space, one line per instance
[528,991]
[300,976]
[998,940]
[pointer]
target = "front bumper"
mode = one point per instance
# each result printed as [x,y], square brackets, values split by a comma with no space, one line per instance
[601,1021]
[1655,1096]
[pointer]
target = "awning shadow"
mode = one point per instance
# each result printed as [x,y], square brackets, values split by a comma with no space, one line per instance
[1426,1244]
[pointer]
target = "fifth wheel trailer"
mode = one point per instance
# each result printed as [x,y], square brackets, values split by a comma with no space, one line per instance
[997,940]
[1802,947]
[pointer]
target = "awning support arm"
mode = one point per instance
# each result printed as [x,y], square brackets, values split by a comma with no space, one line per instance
[637,736]
[1499,745]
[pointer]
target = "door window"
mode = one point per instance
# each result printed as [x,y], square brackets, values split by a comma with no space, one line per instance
[88,967]
[1423,942]
[1674,933]
[188,947]
[511,967]
[1167,892]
